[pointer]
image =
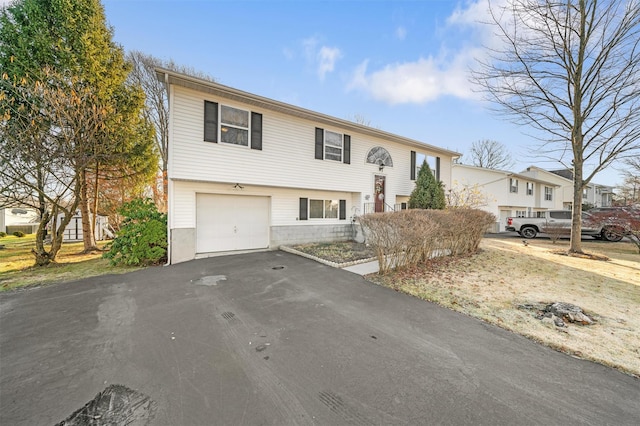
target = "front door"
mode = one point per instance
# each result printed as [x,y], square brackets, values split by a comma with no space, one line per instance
[379,194]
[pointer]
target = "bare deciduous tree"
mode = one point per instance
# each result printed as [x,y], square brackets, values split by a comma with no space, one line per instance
[571,71]
[490,155]
[157,102]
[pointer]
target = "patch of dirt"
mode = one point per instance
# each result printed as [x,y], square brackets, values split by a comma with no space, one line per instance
[339,252]
[591,256]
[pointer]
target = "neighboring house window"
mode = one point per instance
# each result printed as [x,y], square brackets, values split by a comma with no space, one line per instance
[541,214]
[322,209]
[529,188]
[584,193]
[513,185]
[333,146]
[231,125]
[521,213]
[548,193]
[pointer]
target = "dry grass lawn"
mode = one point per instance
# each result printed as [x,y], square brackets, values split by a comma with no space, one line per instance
[17,270]
[505,273]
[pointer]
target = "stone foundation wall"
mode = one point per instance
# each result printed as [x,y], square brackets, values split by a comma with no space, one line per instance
[288,235]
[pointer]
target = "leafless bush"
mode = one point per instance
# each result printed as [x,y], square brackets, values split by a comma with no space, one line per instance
[410,237]
[557,230]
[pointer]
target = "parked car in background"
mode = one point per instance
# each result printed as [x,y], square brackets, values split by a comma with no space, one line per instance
[560,221]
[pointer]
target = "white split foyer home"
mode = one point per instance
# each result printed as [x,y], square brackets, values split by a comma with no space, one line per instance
[246,172]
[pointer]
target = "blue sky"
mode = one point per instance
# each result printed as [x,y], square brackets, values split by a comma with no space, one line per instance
[402,65]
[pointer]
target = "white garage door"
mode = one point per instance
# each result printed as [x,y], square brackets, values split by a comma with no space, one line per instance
[231,222]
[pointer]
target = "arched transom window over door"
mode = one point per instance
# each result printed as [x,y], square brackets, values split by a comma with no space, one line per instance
[380,156]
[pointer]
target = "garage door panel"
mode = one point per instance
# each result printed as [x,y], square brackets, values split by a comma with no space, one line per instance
[231,222]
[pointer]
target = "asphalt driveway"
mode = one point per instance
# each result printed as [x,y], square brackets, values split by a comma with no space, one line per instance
[274,339]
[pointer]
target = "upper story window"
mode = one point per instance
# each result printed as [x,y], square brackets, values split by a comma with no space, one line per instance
[513,185]
[418,159]
[548,193]
[234,125]
[333,146]
[226,124]
[380,156]
[529,188]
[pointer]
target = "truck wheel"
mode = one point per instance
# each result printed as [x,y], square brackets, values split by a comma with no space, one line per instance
[528,232]
[611,234]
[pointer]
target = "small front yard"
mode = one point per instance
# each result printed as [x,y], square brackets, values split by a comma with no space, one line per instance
[340,252]
[507,281]
[17,270]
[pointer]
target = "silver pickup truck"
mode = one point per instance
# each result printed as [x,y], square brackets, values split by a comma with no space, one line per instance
[559,221]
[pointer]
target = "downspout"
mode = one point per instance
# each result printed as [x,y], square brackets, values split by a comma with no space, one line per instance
[169,199]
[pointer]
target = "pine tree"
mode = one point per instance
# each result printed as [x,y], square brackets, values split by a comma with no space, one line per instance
[428,193]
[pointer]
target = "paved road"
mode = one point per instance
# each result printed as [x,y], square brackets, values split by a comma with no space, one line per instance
[274,339]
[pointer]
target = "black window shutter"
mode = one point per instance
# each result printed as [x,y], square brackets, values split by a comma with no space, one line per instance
[438,168]
[303,208]
[413,165]
[343,209]
[346,153]
[319,143]
[256,131]
[210,121]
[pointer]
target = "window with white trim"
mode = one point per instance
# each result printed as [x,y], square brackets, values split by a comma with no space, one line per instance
[529,188]
[230,125]
[333,146]
[513,185]
[234,125]
[521,213]
[324,209]
[548,193]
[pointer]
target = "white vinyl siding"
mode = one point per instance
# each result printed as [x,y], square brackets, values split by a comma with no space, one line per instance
[287,156]
[284,202]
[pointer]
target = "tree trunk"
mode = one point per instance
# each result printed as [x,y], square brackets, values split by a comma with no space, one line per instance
[88,237]
[577,137]
[576,218]
[94,220]
[42,256]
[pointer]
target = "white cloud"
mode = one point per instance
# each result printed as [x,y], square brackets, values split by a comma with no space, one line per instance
[444,73]
[417,82]
[401,33]
[327,57]
[323,58]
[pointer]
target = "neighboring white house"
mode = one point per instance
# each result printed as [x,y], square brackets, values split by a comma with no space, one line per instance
[73,231]
[246,172]
[508,194]
[23,219]
[594,194]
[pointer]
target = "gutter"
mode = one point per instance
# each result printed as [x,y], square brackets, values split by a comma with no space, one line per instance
[166,87]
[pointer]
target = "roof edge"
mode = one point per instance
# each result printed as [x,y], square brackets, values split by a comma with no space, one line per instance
[171,77]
